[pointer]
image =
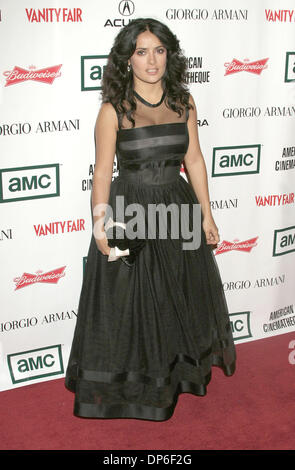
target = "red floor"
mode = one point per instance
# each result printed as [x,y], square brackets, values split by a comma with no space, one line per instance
[253,410]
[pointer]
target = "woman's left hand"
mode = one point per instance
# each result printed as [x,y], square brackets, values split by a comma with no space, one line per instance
[211,231]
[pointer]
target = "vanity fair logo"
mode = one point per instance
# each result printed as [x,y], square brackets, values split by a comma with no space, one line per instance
[50,277]
[275,200]
[54,15]
[59,227]
[46,75]
[226,246]
[285,16]
[253,67]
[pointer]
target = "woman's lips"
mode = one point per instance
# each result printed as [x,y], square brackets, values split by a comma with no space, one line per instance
[152,71]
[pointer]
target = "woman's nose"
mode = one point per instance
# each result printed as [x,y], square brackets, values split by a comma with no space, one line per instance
[151,58]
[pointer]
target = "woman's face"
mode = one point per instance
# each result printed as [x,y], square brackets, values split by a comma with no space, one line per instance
[148,61]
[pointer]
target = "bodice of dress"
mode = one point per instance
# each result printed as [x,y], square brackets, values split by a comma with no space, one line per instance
[152,151]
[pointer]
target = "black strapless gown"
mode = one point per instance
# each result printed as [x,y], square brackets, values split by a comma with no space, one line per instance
[146,333]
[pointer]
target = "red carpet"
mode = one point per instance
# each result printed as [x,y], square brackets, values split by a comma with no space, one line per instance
[253,410]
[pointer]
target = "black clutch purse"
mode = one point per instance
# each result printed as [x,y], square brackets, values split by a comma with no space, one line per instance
[117,239]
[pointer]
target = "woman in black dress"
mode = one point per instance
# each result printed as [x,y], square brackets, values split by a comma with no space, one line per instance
[151,324]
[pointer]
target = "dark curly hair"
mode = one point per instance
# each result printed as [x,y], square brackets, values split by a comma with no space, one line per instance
[117,82]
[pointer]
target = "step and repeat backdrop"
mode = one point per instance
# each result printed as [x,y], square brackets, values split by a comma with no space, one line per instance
[241,73]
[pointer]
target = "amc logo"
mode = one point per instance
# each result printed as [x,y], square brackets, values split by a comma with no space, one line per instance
[92,67]
[236,160]
[289,67]
[34,364]
[284,241]
[240,325]
[30,182]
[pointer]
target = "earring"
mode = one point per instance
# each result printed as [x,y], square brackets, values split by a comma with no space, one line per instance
[128,68]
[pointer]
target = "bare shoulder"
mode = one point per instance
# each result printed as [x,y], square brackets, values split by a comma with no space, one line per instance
[107,117]
[192,101]
[192,118]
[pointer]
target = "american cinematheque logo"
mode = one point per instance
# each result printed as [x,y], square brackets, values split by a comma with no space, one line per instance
[29,182]
[236,160]
[36,363]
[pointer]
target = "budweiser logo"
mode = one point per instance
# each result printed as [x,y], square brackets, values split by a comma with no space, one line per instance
[226,246]
[253,67]
[47,75]
[51,277]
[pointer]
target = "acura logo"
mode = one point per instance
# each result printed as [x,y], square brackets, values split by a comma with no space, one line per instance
[126,8]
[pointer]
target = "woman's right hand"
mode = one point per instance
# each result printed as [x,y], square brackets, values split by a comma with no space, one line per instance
[102,245]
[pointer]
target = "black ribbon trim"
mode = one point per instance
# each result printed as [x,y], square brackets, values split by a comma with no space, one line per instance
[164,129]
[121,377]
[135,411]
[151,413]
[149,152]
[151,164]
